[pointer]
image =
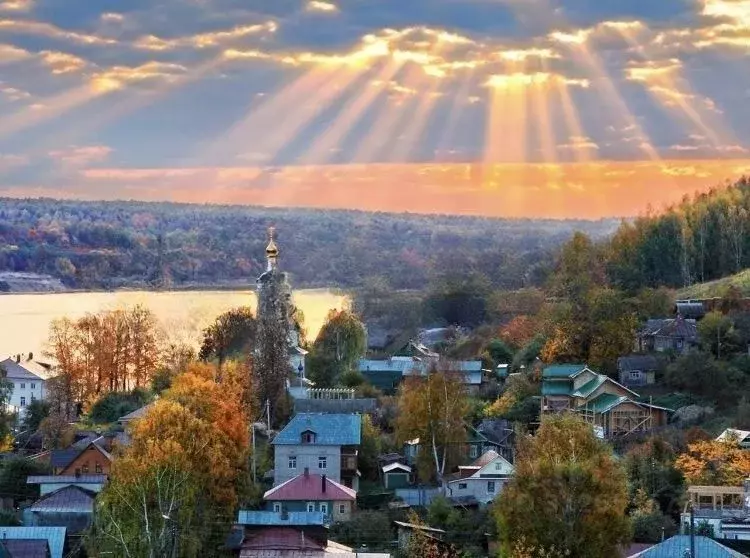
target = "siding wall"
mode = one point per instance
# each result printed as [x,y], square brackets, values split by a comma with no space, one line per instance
[307,456]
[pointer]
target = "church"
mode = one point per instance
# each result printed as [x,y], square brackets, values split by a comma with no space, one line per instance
[275,298]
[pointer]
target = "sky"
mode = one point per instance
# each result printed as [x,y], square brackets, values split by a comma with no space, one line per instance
[507,108]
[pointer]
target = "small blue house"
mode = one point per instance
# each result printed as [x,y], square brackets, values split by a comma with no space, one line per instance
[53,536]
[680,546]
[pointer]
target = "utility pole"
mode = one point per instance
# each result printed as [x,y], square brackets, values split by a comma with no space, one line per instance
[268,416]
[692,531]
[253,427]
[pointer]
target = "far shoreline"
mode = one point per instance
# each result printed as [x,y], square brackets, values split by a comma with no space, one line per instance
[197,288]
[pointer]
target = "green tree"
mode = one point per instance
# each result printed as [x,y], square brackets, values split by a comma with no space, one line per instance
[369,449]
[36,412]
[499,352]
[13,475]
[651,471]
[701,374]
[459,300]
[231,334]
[115,404]
[337,349]
[716,334]
[568,492]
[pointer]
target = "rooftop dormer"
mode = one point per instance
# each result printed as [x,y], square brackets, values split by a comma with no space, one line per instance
[308,437]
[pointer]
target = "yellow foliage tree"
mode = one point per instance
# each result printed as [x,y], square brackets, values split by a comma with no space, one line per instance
[710,462]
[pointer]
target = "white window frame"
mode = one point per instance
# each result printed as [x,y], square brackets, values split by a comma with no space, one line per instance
[636,375]
[491,487]
[322,462]
[498,466]
[33,386]
[324,508]
[277,507]
[292,462]
[310,507]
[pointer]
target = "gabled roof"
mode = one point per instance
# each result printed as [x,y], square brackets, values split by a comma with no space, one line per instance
[396,467]
[591,386]
[563,371]
[330,429]
[63,458]
[55,537]
[732,433]
[255,517]
[69,499]
[679,545]
[29,548]
[309,488]
[138,413]
[484,459]
[678,327]
[608,401]
[17,371]
[477,468]
[644,363]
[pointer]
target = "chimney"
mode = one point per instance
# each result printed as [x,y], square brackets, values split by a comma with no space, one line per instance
[31,357]
[307,472]
[18,358]
[323,484]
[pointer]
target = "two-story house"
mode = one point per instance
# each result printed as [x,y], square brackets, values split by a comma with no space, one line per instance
[481,481]
[610,407]
[28,385]
[325,444]
[677,335]
[312,493]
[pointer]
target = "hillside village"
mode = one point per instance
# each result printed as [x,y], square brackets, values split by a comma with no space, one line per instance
[457,437]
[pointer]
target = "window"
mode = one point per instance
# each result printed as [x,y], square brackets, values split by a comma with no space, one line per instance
[292,461]
[322,462]
[311,506]
[491,487]
[342,508]
[277,507]
[33,386]
[23,386]
[473,452]
[23,402]
[308,437]
[635,375]
[98,468]
[462,486]
[85,468]
[324,507]
[498,466]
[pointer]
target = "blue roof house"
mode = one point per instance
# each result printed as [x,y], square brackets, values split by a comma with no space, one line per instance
[324,444]
[387,374]
[53,536]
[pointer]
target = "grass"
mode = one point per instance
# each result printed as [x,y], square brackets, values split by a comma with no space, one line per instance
[718,287]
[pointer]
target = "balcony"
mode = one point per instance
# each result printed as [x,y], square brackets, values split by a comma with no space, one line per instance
[349,462]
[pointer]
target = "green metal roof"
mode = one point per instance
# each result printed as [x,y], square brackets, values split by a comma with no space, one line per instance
[556,387]
[605,402]
[589,387]
[562,370]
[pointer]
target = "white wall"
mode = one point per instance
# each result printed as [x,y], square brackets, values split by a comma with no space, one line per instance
[307,456]
[478,488]
[26,389]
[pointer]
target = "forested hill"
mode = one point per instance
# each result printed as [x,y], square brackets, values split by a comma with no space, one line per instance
[135,244]
[704,238]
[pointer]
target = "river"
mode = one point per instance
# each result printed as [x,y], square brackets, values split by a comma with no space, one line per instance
[25,318]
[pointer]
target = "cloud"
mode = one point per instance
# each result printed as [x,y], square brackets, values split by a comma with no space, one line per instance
[205,40]
[9,161]
[62,62]
[118,77]
[112,17]
[320,6]
[49,30]
[81,156]
[579,143]
[522,80]
[13,93]
[16,5]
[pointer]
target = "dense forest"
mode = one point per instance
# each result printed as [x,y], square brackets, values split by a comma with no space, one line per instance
[137,244]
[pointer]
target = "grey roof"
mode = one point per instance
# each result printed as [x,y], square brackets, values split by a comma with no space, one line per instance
[679,544]
[64,457]
[138,413]
[269,518]
[335,405]
[29,548]
[55,537]
[643,363]
[16,371]
[678,327]
[69,499]
[329,429]
[66,479]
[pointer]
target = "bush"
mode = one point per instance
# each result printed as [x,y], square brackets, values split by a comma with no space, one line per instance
[649,528]
[116,404]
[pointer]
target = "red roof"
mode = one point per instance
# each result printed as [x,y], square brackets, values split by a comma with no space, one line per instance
[281,538]
[310,488]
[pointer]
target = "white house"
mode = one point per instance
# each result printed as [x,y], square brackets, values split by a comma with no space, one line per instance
[742,437]
[28,384]
[481,481]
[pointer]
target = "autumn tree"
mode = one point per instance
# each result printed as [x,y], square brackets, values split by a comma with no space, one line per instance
[340,344]
[176,487]
[369,449]
[433,408]
[568,493]
[422,545]
[231,334]
[717,463]
[519,331]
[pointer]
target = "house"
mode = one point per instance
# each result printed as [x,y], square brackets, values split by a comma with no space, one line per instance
[71,507]
[481,481]
[134,415]
[323,443]
[611,408]
[312,493]
[264,534]
[406,530]
[396,475]
[742,437]
[387,374]
[82,458]
[638,370]
[678,335]
[725,508]
[19,548]
[51,483]
[52,537]
[680,546]
[28,384]
[332,400]
[492,434]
